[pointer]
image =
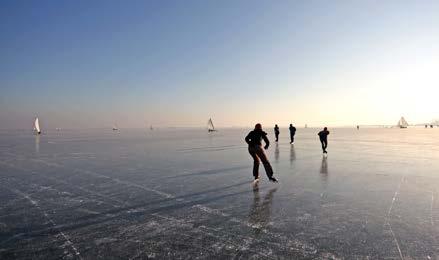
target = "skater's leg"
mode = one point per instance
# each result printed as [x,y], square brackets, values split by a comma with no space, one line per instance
[252,152]
[261,154]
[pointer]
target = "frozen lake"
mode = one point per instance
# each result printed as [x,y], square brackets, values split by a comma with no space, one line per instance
[173,193]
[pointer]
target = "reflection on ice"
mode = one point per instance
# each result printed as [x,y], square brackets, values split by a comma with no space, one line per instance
[324,170]
[324,165]
[37,144]
[260,212]
[292,154]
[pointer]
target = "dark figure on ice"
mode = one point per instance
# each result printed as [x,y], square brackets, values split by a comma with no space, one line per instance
[254,141]
[292,133]
[323,135]
[276,132]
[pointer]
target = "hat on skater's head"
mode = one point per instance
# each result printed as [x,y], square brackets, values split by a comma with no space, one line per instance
[258,126]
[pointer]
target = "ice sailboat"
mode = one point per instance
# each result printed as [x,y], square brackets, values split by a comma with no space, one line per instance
[210,127]
[37,126]
[115,127]
[402,123]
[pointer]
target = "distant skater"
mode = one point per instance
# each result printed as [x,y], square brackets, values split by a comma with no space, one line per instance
[323,135]
[292,133]
[254,141]
[276,132]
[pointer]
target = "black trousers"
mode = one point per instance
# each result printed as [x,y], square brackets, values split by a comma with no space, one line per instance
[257,153]
[324,144]
[292,138]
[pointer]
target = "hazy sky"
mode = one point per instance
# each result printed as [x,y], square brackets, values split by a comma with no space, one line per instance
[177,63]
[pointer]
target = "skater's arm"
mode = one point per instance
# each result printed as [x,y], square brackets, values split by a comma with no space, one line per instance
[247,139]
[267,142]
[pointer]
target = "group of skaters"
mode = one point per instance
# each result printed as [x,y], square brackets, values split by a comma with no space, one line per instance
[254,141]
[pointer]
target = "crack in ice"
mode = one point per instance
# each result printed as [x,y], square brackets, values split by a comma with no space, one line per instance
[387,221]
[36,204]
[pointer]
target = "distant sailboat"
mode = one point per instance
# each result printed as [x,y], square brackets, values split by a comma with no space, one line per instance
[115,127]
[210,127]
[37,126]
[402,123]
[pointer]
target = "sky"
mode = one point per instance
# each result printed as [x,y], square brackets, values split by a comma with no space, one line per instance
[89,64]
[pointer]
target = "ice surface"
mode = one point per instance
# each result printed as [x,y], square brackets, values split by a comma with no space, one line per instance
[184,193]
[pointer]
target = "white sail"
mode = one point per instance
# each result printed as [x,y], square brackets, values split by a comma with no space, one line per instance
[37,126]
[402,123]
[210,126]
[115,127]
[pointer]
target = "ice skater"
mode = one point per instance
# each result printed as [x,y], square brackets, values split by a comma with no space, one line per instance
[292,133]
[323,135]
[254,141]
[276,132]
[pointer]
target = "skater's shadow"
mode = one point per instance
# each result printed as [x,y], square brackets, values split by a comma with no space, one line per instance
[260,212]
[210,172]
[324,169]
[276,153]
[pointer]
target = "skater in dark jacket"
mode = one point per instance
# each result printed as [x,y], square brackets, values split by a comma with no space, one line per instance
[292,133]
[254,141]
[276,132]
[323,135]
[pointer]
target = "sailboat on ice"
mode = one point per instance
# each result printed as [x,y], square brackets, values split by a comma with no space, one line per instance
[210,126]
[115,127]
[402,123]
[37,126]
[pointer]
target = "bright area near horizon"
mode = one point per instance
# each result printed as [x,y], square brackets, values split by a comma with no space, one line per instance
[139,63]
